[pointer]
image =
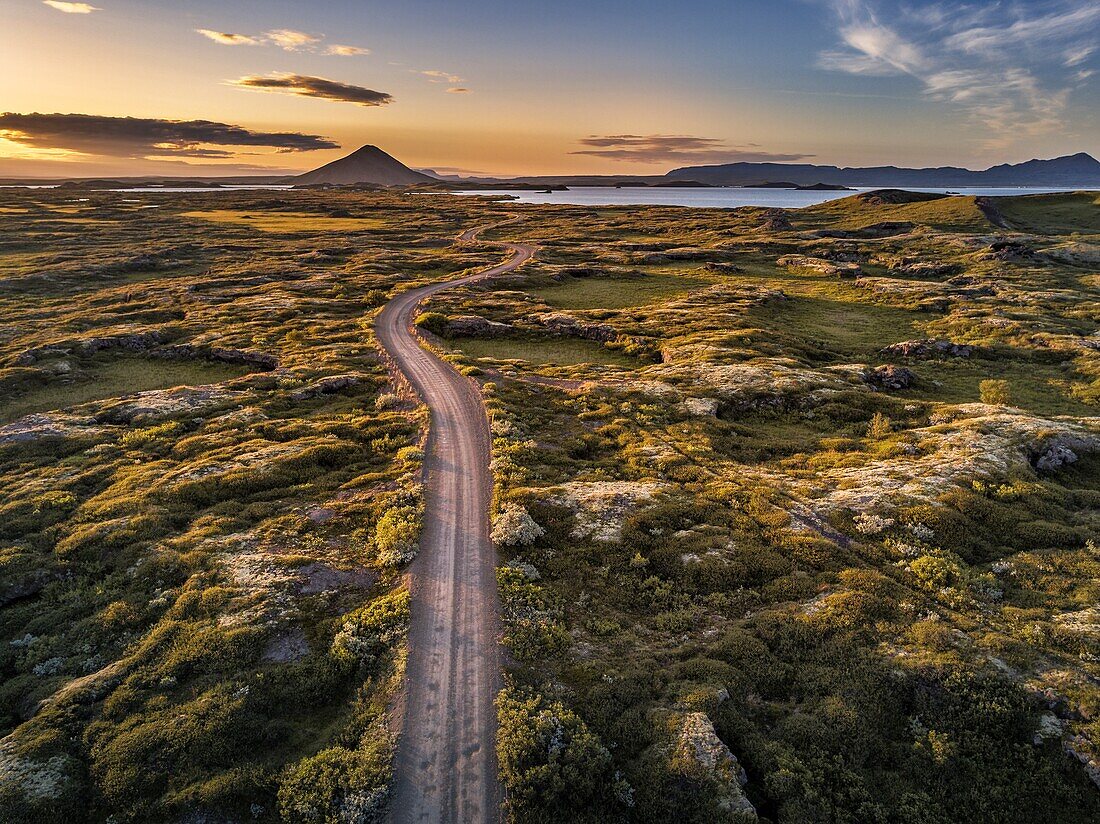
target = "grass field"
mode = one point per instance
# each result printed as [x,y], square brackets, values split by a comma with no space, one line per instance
[615,293]
[115,378]
[958,213]
[548,352]
[1076,212]
[852,330]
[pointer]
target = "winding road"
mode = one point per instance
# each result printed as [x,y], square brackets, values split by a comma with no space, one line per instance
[446,766]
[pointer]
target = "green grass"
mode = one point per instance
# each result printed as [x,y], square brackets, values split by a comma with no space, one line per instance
[1040,388]
[958,213]
[550,351]
[115,378]
[615,293]
[1053,214]
[849,329]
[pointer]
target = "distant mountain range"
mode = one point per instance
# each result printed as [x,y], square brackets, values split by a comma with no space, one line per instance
[366,165]
[371,166]
[1073,170]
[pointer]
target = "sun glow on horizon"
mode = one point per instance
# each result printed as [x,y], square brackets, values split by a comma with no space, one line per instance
[858,82]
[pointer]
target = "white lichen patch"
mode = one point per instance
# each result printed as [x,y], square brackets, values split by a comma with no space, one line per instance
[600,507]
[981,441]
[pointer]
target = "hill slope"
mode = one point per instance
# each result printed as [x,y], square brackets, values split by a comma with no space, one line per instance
[366,165]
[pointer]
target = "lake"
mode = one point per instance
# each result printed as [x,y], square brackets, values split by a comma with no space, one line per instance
[718,198]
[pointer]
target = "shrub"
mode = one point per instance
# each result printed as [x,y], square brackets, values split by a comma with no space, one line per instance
[553,767]
[396,535]
[1044,534]
[337,785]
[934,572]
[372,630]
[994,392]
[879,427]
[434,322]
[532,617]
[141,437]
[513,525]
[387,400]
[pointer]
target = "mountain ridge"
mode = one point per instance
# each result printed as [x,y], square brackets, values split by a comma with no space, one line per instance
[1080,169]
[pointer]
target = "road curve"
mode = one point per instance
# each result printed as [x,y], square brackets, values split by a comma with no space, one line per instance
[445,769]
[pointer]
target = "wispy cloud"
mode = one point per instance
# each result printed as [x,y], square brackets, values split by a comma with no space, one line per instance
[663,148]
[143,137]
[286,39]
[346,51]
[72,8]
[1009,67]
[303,85]
[436,76]
[292,40]
[229,39]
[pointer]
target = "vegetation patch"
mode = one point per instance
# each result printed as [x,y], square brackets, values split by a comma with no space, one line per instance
[46,389]
[543,352]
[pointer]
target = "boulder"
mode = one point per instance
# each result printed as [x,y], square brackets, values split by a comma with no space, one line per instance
[890,377]
[699,747]
[701,407]
[1008,251]
[47,425]
[929,348]
[475,326]
[926,269]
[821,266]
[559,323]
[886,228]
[727,268]
[1054,453]
[245,357]
[136,342]
[775,220]
[325,386]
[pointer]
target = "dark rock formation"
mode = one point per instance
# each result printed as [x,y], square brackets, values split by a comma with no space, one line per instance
[561,324]
[889,377]
[929,348]
[475,326]
[1008,251]
[325,386]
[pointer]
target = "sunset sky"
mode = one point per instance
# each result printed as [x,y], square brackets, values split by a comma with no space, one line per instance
[521,87]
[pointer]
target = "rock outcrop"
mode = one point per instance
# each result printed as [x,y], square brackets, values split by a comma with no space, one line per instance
[890,378]
[475,326]
[559,323]
[698,747]
[929,348]
[820,266]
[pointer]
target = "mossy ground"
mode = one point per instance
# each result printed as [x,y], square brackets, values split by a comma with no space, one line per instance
[871,594]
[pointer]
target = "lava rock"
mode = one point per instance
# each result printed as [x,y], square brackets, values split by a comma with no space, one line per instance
[890,378]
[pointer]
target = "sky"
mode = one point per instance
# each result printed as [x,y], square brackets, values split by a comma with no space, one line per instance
[112,87]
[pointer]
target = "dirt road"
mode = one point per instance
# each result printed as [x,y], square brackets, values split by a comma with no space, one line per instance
[446,767]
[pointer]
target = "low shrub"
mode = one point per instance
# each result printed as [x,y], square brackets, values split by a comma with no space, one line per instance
[553,767]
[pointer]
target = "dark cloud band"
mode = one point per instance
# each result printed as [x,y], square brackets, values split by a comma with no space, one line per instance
[320,87]
[146,137]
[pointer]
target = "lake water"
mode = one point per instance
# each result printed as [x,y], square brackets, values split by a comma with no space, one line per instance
[699,198]
[717,198]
